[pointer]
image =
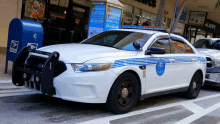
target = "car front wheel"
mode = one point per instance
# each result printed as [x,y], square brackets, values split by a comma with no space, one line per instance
[194,87]
[123,94]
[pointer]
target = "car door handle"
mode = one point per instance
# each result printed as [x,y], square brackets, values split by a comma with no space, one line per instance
[193,60]
[172,60]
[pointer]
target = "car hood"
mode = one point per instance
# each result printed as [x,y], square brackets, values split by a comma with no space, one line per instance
[209,52]
[79,53]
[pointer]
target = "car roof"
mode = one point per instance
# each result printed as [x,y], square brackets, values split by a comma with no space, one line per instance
[140,31]
[209,39]
[148,32]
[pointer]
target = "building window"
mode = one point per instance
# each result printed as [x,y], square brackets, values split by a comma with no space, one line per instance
[128,14]
[148,19]
[168,23]
[153,19]
[57,16]
[164,22]
[137,16]
[200,34]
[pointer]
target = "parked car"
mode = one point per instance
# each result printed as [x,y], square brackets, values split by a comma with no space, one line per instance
[117,67]
[211,48]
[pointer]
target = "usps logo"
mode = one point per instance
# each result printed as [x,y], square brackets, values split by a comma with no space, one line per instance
[32,45]
[14,46]
[160,67]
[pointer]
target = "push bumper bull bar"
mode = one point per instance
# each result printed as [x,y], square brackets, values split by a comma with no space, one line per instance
[46,75]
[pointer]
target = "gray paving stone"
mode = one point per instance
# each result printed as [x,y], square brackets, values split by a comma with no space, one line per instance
[211,118]
[208,102]
[164,116]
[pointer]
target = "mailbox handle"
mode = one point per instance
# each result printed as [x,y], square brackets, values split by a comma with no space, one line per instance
[38,51]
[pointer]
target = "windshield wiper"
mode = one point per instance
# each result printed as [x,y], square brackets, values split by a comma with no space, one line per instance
[116,48]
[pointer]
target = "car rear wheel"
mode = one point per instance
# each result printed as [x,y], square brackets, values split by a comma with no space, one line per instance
[124,94]
[194,87]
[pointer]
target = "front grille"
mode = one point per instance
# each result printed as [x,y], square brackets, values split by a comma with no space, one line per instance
[32,84]
[209,62]
[34,61]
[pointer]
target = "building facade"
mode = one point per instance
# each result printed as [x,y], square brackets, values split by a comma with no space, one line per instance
[66,21]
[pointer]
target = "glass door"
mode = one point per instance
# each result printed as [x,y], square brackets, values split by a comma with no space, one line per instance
[79,26]
[55,23]
[192,34]
[66,23]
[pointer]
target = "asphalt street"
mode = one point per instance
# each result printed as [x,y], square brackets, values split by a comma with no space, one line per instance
[19,105]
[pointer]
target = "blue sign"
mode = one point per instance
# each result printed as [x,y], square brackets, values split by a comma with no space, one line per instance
[113,20]
[97,18]
[183,14]
[160,67]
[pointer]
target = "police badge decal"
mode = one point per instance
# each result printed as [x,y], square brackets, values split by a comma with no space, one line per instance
[160,67]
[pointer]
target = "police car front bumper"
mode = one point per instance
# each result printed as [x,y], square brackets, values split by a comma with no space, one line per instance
[88,87]
[23,72]
[212,79]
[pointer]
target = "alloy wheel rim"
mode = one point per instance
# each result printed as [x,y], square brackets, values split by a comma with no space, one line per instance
[125,93]
[195,84]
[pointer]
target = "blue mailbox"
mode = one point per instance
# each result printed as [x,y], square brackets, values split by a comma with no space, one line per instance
[22,33]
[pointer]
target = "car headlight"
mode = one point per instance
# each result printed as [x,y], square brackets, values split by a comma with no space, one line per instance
[217,62]
[91,67]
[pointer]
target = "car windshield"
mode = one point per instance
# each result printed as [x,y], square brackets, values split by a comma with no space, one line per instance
[205,43]
[119,39]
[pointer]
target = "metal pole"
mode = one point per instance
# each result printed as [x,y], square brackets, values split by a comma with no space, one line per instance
[178,16]
[6,64]
[174,14]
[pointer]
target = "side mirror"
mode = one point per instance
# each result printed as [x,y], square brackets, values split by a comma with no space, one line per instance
[155,50]
[137,45]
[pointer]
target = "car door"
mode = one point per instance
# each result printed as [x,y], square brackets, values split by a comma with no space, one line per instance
[159,68]
[184,63]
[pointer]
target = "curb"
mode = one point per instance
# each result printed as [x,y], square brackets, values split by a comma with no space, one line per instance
[5,81]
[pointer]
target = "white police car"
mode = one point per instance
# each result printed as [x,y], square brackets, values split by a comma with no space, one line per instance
[117,67]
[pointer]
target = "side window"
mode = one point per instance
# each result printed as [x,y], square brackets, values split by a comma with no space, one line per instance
[188,49]
[180,47]
[163,43]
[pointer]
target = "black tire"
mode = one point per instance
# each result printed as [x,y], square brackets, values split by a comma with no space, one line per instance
[194,87]
[119,102]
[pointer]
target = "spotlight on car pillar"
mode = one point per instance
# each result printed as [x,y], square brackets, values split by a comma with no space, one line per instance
[136,45]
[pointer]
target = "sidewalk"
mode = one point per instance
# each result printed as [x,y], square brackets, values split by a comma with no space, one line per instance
[5,78]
